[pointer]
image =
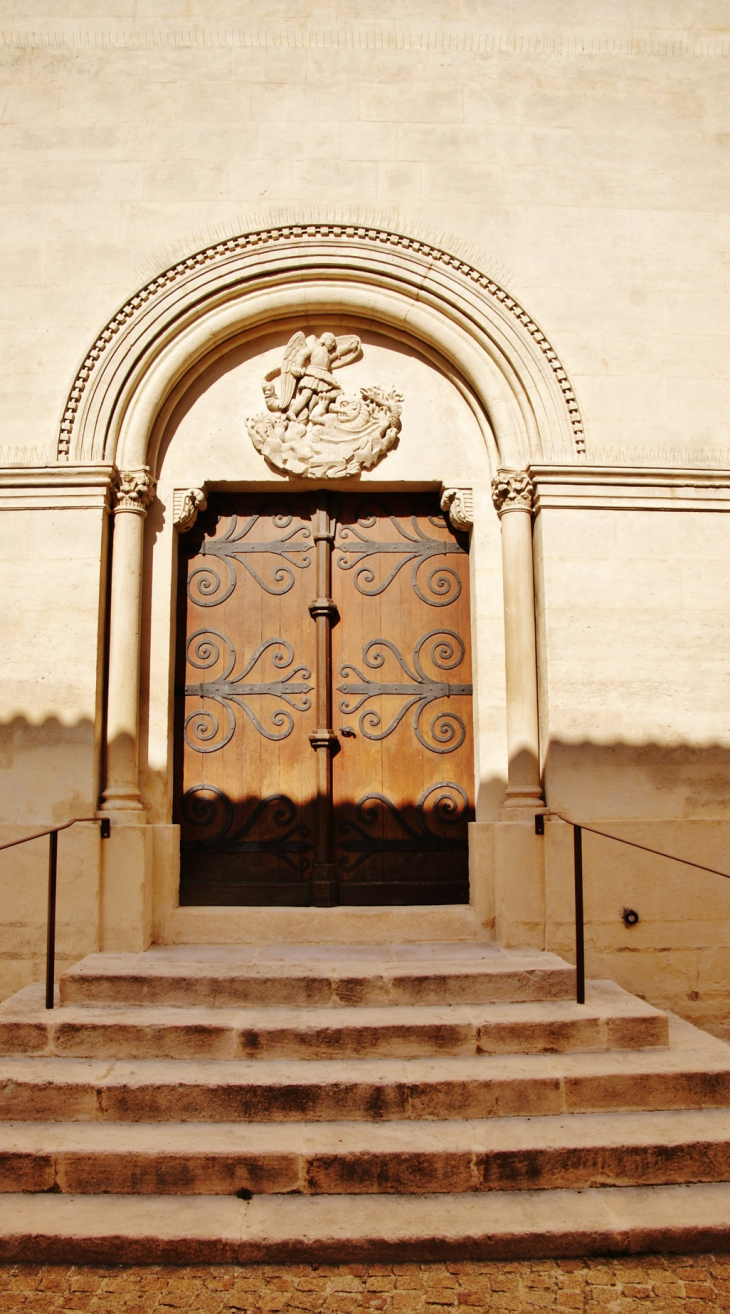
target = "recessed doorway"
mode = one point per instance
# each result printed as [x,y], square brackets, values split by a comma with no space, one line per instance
[324,737]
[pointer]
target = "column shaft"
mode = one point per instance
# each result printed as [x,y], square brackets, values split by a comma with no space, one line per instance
[121,794]
[513,498]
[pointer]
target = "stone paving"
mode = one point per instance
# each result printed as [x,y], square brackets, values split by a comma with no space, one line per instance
[663,1283]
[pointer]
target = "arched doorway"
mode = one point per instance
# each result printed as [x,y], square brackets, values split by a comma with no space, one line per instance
[442,313]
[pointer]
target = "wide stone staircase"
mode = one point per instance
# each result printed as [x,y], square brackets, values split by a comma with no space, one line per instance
[384,1101]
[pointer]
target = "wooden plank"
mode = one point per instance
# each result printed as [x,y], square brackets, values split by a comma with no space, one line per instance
[404,779]
[244,703]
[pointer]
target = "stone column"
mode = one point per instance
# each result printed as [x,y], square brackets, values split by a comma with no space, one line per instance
[134,491]
[512,492]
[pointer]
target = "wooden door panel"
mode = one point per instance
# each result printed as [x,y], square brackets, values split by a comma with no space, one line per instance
[248,738]
[403,780]
[245,770]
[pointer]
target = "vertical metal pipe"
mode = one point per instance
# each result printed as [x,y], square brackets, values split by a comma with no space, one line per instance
[51,928]
[324,740]
[580,965]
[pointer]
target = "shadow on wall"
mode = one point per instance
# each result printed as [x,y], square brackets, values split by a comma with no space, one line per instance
[48,771]
[642,780]
[658,927]
[670,798]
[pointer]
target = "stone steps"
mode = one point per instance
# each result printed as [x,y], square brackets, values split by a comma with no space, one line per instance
[694,1072]
[213,927]
[379,1101]
[582,1151]
[611,1019]
[169,1229]
[312,978]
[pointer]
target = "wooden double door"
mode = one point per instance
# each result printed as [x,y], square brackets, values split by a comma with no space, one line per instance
[324,739]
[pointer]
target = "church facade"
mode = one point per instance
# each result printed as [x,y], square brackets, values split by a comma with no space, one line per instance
[365,483]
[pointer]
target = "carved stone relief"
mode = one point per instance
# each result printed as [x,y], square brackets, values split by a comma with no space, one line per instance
[134,490]
[458,504]
[186,503]
[313,428]
[512,490]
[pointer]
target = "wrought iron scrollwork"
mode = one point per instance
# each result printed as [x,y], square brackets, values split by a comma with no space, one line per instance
[442,586]
[447,729]
[449,805]
[205,586]
[291,844]
[205,649]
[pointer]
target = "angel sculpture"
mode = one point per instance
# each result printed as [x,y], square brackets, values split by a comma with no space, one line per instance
[317,431]
[308,386]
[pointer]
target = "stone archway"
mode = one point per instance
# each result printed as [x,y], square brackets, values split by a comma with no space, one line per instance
[171,331]
[437,299]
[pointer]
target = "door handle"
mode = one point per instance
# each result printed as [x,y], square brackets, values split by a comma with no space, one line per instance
[347,732]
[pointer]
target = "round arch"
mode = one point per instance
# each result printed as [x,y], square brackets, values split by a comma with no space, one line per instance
[435,299]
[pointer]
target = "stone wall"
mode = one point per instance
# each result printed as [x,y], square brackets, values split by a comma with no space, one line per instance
[583,150]
[577,155]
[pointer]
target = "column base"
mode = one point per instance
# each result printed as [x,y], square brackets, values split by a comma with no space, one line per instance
[126,890]
[123,816]
[507,880]
[123,804]
[521,802]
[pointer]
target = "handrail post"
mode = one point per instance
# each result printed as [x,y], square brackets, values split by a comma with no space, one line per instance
[51,929]
[580,965]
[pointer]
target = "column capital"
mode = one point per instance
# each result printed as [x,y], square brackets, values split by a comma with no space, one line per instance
[512,490]
[134,490]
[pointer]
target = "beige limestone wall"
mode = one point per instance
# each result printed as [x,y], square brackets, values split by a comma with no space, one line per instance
[583,148]
[677,954]
[634,654]
[52,563]
[23,900]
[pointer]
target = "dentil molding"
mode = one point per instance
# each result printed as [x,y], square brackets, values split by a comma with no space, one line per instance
[388,263]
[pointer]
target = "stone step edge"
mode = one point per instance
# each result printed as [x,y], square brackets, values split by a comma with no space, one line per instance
[376,924]
[610,1019]
[582,1151]
[604,998]
[691,1053]
[329,1229]
[132,967]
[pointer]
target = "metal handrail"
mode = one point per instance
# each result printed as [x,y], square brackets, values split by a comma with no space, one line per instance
[578,828]
[52,833]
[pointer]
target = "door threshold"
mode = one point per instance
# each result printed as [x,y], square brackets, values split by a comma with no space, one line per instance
[404,924]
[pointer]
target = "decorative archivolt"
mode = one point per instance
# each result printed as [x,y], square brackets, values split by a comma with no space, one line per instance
[417,292]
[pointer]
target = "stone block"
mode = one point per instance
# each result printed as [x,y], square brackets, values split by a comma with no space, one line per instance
[126,897]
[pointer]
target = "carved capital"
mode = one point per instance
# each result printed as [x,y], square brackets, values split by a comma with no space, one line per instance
[186,503]
[512,490]
[458,503]
[134,490]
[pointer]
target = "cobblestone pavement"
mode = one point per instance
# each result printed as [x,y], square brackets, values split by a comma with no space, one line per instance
[662,1283]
